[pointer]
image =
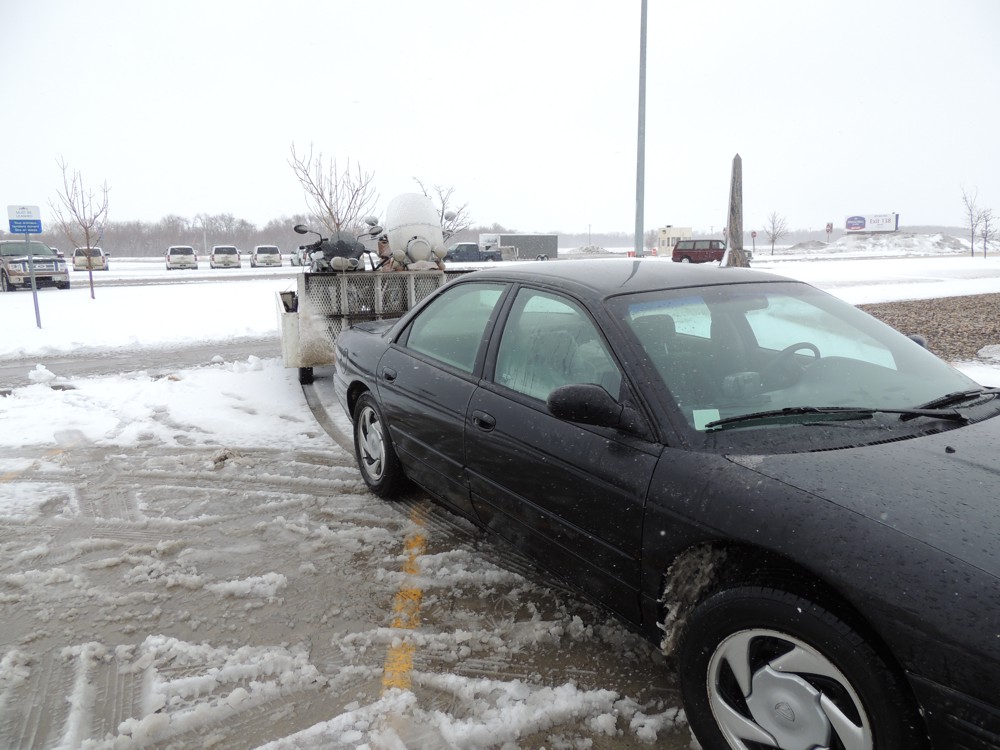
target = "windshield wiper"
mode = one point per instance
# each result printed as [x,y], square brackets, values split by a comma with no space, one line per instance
[957,397]
[834,413]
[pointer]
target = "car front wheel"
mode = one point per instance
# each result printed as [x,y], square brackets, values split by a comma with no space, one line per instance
[766,667]
[5,284]
[380,467]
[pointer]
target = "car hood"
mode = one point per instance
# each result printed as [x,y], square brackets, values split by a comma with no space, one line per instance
[940,489]
[36,258]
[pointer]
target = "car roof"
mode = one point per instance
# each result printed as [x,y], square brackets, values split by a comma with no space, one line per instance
[600,278]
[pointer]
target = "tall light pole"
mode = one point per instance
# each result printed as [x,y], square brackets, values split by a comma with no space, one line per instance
[640,170]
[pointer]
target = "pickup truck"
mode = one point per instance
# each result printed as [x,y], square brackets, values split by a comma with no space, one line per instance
[50,269]
[466,252]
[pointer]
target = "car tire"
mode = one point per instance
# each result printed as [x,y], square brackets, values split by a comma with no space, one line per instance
[305,375]
[373,449]
[685,259]
[5,284]
[807,676]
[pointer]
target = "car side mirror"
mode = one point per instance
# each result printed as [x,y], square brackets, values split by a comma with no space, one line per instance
[587,403]
[919,339]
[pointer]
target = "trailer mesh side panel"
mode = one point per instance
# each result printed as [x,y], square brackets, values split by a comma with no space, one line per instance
[365,296]
[329,303]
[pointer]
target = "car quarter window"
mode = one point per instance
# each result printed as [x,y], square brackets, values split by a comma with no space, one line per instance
[450,329]
[549,341]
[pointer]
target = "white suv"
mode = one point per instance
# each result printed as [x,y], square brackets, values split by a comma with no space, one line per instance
[224,256]
[181,256]
[265,255]
[97,260]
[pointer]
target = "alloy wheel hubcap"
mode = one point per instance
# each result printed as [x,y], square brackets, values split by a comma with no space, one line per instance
[793,697]
[370,443]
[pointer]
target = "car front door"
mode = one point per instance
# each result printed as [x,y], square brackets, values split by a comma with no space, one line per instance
[570,495]
[425,381]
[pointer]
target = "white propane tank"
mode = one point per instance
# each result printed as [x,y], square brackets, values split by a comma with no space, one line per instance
[413,228]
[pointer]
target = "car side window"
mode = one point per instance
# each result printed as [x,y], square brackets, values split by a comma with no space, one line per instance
[549,341]
[451,328]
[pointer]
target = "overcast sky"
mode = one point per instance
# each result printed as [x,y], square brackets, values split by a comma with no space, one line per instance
[527,108]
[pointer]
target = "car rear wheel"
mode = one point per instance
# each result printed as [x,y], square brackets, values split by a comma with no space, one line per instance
[380,467]
[767,667]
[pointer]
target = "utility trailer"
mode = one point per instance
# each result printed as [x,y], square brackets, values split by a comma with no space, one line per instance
[324,304]
[336,292]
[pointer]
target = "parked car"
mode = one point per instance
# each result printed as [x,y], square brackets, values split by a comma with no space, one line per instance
[16,259]
[795,500]
[698,251]
[181,256]
[471,252]
[301,256]
[224,256]
[265,255]
[93,258]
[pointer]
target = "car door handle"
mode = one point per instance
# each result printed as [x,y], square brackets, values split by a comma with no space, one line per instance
[388,374]
[483,421]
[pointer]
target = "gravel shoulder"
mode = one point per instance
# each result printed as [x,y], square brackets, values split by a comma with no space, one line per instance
[956,328]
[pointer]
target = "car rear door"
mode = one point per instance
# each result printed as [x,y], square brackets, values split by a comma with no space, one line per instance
[570,495]
[425,381]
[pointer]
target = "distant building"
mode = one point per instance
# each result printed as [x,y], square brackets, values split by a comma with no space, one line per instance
[668,237]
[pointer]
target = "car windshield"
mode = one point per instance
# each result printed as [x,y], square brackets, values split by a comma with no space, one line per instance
[737,349]
[17,249]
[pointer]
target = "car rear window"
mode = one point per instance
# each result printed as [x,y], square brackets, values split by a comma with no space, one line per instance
[267,250]
[225,251]
[181,251]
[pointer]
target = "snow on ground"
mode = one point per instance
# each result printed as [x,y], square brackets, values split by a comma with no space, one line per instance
[189,560]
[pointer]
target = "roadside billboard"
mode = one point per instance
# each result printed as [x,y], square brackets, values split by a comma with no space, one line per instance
[872,223]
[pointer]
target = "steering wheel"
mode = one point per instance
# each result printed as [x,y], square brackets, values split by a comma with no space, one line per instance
[779,368]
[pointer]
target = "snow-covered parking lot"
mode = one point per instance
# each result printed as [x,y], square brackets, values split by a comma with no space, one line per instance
[187,559]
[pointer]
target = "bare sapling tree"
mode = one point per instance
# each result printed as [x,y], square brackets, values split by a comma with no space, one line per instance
[337,199]
[454,219]
[972,215]
[82,214]
[776,228]
[987,228]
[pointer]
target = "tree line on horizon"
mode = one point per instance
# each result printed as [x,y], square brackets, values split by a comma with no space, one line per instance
[138,239]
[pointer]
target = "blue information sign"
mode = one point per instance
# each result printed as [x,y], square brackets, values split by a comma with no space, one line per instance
[25,226]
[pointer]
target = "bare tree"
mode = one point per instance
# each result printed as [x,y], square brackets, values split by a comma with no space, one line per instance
[337,199]
[454,219]
[974,216]
[775,228]
[650,239]
[987,229]
[81,214]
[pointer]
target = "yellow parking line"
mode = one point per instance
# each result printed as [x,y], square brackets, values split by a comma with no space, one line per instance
[10,476]
[398,667]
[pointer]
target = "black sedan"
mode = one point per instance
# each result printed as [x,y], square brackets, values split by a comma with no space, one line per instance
[797,501]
